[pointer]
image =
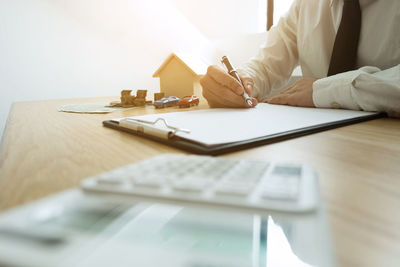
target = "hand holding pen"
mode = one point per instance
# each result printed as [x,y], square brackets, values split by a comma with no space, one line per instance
[227,89]
[234,74]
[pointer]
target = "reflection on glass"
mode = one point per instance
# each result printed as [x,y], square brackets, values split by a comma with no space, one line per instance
[279,252]
[203,237]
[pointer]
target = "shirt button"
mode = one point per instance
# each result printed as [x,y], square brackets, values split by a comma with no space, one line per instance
[335,105]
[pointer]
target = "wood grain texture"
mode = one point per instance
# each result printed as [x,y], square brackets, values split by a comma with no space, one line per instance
[44,151]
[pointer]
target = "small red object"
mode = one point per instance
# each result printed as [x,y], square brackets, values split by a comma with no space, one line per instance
[188,101]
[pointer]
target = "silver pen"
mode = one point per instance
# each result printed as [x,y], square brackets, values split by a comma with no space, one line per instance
[235,75]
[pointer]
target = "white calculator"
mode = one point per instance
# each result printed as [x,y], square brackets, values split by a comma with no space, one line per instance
[271,186]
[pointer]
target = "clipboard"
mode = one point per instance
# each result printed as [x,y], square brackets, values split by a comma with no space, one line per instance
[158,128]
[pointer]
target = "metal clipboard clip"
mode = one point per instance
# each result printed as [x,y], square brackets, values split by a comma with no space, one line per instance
[149,127]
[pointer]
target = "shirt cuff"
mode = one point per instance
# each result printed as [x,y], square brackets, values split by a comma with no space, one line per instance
[335,91]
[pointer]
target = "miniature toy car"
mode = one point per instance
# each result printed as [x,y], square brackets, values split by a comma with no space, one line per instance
[168,101]
[188,101]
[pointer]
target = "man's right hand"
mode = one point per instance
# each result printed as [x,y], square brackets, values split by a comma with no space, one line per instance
[222,90]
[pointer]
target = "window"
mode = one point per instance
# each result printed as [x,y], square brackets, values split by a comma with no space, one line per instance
[276,9]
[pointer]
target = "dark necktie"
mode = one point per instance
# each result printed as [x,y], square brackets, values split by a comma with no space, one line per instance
[344,53]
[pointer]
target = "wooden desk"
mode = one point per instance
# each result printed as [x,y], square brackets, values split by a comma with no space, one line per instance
[44,151]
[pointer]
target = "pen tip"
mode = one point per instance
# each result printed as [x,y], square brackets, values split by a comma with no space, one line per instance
[249,102]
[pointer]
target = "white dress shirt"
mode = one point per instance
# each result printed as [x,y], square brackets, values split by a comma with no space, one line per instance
[305,37]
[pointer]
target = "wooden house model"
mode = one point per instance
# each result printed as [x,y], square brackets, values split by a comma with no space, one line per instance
[180,75]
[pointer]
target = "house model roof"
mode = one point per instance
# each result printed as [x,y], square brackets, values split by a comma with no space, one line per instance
[193,63]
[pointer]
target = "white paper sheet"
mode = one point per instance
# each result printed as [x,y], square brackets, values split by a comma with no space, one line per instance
[89,108]
[220,126]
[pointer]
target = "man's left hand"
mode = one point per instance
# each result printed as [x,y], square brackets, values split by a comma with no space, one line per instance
[299,94]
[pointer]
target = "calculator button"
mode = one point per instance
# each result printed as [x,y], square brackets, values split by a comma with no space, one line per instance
[188,188]
[241,180]
[236,184]
[279,195]
[287,170]
[108,179]
[226,189]
[148,182]
[191,184]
